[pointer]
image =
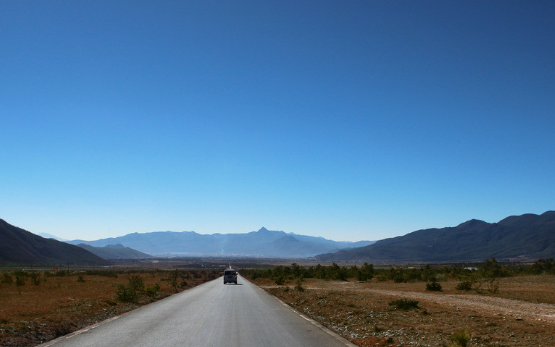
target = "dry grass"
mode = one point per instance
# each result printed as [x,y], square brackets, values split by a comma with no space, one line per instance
[32,314]
[361,312]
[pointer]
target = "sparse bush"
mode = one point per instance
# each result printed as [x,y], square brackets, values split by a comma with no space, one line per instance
[136,283]
[35,277]
[152,291]
[464,285]
[19,281]
[7,278]
[433,286]
[127,294]
[404,304]
[80,279]
[105,273]
[543,266]
[493,286]
[461,337]
[299,286]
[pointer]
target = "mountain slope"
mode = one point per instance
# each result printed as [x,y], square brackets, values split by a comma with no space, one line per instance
[261,243]
[517,237]
[112,252]
[20,247]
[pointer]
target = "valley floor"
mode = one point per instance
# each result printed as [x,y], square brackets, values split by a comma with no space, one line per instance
[521,314]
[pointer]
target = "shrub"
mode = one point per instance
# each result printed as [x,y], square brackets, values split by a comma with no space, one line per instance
[152,291]
[433,286]
[299,286]
[404,304]
[464,285]
[544,266]
[279,280]
[7,278]
[127,294]
[80,279]
[136,283]
[461,337]
[19,281]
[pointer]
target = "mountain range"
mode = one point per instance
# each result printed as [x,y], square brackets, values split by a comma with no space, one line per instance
[21,247]
[515,238]
[261,243]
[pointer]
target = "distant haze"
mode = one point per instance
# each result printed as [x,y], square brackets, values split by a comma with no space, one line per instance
[261,243]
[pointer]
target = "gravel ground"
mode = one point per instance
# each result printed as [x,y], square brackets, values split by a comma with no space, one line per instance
[506,307]
[361,312]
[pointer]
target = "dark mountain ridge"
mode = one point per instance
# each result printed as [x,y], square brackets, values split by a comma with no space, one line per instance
[21,247]
[261,243]
[115,252]
[525,237]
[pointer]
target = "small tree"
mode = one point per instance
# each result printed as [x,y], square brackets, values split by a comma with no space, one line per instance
[299,286]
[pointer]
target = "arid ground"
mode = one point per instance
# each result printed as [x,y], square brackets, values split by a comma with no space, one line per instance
[521,314]
[56,305]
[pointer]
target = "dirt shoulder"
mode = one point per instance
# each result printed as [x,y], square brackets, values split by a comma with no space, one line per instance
[38,311]
[522,314]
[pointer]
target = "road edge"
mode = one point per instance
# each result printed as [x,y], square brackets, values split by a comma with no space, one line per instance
[312,321]
[108,320]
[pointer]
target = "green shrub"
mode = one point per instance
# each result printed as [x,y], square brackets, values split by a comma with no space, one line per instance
[127,294]
[279,280]
[152,291]
[464,285]
[136,283]
[299,286]
[433,286]
[404,304]
[461,337]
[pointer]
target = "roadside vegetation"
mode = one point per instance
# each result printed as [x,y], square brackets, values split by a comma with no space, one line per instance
[481,277]
[37,306]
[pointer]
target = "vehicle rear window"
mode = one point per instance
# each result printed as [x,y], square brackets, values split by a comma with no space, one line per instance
[228,273]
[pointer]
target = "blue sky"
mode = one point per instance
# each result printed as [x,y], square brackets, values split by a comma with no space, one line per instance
[344,119]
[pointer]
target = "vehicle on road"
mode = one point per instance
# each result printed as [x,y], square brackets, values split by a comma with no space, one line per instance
[230,276]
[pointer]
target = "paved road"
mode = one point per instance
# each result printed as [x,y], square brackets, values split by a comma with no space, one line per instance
[212,314]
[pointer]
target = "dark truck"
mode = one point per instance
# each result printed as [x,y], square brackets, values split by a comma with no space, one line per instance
[230,276]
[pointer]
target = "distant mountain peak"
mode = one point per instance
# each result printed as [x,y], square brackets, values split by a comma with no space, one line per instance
[263,230]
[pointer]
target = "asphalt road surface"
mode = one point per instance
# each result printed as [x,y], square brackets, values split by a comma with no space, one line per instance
[212,314]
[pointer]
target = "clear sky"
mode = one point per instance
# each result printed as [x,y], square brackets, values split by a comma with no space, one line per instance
[349,120]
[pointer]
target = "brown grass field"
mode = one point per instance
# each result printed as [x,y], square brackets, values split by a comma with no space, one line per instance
[521,314]
[35,313]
